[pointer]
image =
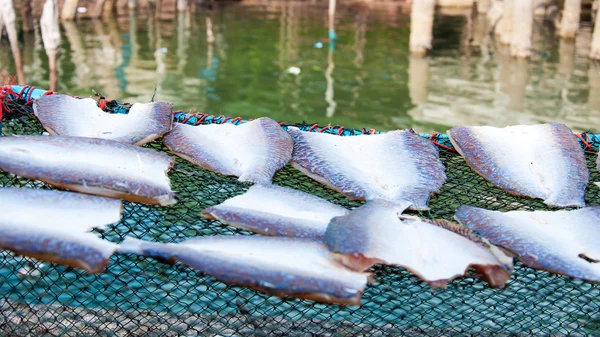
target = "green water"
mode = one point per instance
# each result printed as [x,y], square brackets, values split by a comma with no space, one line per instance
[366,79]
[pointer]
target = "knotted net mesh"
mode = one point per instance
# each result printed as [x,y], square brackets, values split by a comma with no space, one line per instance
[138,296]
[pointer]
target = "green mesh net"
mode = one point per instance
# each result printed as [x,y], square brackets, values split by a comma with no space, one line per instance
[138,296]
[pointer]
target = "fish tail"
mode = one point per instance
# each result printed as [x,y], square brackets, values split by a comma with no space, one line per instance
[131,246]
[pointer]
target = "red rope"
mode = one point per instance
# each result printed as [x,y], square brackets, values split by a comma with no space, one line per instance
[324,128]
[433,138]
[585,142]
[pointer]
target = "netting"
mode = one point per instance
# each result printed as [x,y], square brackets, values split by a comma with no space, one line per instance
[138,296]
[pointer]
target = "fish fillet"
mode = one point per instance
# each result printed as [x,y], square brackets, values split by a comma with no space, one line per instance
[52,226]
[90,165]
[561,242]
[274,265]
[252,151]
[396,166]
[435,251]
[277,211]
[63,115]
[539,161]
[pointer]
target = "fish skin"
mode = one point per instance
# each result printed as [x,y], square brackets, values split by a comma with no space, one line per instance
[561,184]
[63,115]
[361,168]
[274,265]
[52,226]
[277,211]
[90,165]
[78,250]
[546,240]
[70,211]
[232,150]
[374,233]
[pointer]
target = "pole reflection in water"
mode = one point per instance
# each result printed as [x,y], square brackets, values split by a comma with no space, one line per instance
[360,42]
[51,38]
[9,20]
[255,59]
[78,54]
[329,93]
[418,79]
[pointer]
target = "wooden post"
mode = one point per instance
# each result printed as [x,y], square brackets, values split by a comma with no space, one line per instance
[507,21]
[539,7]
[103,7]
[520,45]
[595,50]
[51,39]
[69,10]
[421,26]
[27,16]
[483,6]
[570,19]
[182,5]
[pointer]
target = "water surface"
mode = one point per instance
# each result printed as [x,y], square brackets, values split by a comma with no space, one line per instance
[366,78]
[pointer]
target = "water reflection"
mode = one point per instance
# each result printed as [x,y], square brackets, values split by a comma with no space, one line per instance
[234,60]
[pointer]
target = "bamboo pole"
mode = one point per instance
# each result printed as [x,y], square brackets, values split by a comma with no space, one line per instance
[69,10]
[520,45]
[421,26]
[570,19]
[595,50]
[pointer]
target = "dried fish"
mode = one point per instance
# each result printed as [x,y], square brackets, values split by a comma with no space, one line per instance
[539,161]
[252,151]
[435,251]
[52,226]
[90,165]
[561,242]
[277,211]
[63,115]
[397,166]
[278,266]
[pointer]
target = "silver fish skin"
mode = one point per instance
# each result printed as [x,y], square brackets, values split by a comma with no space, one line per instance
[542,161]
[252,151]
[561,242]
[435,251]
[63,115]
[73,212]
[397,166]
[277,211]
[90,165]
[52,226]
[274,265]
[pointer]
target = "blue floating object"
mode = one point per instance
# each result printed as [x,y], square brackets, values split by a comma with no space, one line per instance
[332,35]
[319,45]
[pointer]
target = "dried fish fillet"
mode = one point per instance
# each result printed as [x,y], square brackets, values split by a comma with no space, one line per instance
[274,265]
[396,166]
[539,161]
[58,209]
[63,115]
[51,226]
[90,165]
[561,242]
[277,211]
[252,151]
[435,251]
